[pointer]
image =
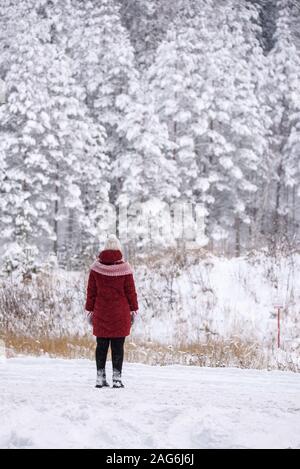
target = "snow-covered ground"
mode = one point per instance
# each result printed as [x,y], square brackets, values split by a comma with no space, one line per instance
[52,403]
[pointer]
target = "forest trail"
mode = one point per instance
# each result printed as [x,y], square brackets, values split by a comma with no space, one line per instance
[52,403]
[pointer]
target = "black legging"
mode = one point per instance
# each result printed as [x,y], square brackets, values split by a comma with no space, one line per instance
[117,352]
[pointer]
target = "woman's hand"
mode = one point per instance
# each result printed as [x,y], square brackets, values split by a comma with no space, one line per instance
[133,315]
[89,317]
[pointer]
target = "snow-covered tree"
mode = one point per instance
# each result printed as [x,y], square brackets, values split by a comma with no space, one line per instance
[147,23]
[148,169]
[3,177]
[26,207]
[284,103]
[55,142]
[238,119]
[207,94]
[105,59]
[174,81]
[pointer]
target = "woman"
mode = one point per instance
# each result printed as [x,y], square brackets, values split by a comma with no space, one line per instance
[112,305]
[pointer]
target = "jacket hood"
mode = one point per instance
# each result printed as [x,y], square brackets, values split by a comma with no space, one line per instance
[110,257]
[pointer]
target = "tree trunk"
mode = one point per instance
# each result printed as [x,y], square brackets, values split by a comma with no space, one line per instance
[277,202]
[56,208]
[237,236]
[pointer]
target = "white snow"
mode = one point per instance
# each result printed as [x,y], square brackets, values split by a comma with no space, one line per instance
[52,403]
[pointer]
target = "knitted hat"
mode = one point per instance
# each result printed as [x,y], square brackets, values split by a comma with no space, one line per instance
[112,243]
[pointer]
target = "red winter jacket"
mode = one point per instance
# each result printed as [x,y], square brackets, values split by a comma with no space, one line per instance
[111,295]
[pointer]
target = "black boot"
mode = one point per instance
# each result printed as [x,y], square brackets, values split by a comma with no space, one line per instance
[117,382]
[101,379]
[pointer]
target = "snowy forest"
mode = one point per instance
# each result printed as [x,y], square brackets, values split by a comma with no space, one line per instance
[129,101]
[174,125]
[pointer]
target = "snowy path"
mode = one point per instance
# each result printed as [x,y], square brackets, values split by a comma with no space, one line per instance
[47,403]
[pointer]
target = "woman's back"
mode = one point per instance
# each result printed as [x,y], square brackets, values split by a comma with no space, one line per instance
[111,295]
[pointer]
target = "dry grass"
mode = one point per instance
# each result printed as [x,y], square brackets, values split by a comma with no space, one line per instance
[212,354]
[64,347]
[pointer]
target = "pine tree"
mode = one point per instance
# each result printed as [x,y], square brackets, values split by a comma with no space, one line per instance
[173,78]
[284,102]
[25,198]
[207,94]
[105,58]
[246,165]
[147,23]
[55,141]
[3,177]
[148,169]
